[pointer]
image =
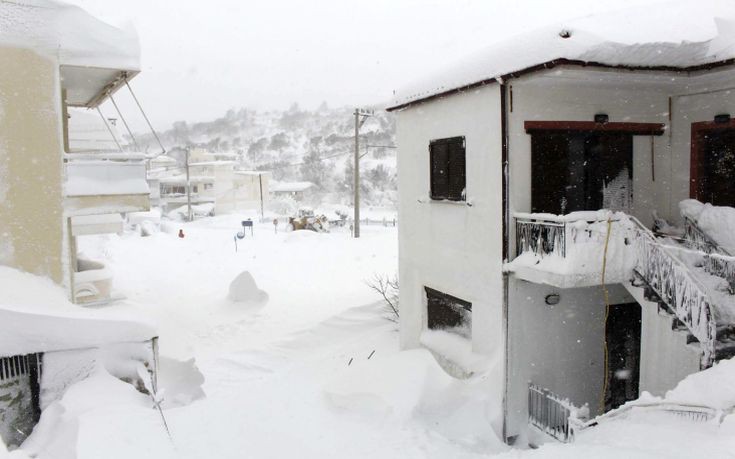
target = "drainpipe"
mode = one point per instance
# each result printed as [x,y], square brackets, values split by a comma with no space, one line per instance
[506,233]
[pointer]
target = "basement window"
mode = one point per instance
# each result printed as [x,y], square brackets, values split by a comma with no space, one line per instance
[448,169]
[449,313]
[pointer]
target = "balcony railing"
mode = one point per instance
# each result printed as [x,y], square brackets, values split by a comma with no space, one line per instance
[541,235]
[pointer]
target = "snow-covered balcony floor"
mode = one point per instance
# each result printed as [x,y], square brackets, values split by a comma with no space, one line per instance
[574,250]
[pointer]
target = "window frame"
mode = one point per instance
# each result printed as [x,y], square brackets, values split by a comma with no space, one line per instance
[435,194]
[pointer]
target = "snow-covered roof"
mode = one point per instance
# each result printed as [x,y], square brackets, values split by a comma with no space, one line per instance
[213,163]
[68,33]
[290,187]
[252,172]
[36,316]
[94,57]
[681,34]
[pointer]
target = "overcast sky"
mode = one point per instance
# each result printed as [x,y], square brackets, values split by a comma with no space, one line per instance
[202,57]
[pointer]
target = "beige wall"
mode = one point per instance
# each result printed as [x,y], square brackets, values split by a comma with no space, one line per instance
[30,163]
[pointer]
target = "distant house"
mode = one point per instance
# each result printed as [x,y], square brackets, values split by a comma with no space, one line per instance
[52,194]
[214,181]
[532,177]
[296,190]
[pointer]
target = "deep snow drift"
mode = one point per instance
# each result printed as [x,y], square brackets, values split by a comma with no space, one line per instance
[315,372]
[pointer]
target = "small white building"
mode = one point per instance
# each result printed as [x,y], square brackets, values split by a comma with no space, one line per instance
[295,190]
[529,178]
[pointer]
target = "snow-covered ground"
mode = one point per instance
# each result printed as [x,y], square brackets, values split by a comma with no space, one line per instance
[314,371]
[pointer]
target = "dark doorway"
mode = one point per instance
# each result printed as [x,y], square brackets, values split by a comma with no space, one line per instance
[713,164]
[623,338]
[581,170]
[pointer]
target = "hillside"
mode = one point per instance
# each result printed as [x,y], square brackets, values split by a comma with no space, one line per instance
[300,145]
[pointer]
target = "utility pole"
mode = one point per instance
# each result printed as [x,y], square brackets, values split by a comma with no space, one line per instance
[361,115]
[188,188]
[260,181]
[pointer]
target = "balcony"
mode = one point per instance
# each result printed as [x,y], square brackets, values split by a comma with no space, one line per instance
[98,183]
[574,250]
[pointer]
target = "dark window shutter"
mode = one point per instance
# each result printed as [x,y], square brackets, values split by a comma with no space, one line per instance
[439,170]
[457,169]
[448,168]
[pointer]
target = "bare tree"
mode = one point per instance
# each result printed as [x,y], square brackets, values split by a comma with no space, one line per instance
[387,287]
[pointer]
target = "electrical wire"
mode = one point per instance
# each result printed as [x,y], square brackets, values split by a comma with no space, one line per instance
[606,297]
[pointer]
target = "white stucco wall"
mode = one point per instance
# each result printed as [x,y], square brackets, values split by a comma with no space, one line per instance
[451,247]
[577,95]
[557,347]
[704,97]
[666,358]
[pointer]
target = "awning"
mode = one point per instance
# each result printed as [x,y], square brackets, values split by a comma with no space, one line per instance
[90,86]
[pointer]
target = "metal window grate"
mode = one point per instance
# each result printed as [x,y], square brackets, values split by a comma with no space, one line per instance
[16,366]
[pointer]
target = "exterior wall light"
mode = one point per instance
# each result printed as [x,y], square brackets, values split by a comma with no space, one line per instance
[722,118]
[552,299]
[601,118]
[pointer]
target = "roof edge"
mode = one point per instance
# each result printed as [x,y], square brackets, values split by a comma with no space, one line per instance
[556,63]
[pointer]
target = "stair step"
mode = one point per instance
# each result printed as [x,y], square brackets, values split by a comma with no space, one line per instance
[724,350]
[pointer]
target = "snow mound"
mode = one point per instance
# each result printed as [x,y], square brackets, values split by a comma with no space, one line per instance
[412,385]
[298,236]
[713,387]
[243,289]
[716,221]
[99,416]
[454,353]
[399,384]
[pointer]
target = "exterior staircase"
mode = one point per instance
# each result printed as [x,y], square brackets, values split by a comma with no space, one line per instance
[693,305]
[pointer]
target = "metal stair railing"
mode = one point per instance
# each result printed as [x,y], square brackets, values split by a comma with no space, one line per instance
[718,261]
[677,287]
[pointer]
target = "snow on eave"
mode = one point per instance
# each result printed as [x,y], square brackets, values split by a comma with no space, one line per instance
[68,34]
[678,36]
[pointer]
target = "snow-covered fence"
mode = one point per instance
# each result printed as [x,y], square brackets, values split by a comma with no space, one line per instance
[717,260]
[550,413]
[541,236]
[672,281]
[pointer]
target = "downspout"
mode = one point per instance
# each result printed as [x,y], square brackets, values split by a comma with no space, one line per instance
[505,235]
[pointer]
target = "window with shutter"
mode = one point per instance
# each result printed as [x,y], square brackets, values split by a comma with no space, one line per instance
[448,168]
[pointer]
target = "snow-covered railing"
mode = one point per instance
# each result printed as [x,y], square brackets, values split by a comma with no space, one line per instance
[551,413]
[693,413]
[102,176]
[541,235]
[716,259]
[673,282]
[549,234]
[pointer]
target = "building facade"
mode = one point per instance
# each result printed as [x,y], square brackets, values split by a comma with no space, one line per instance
[533,199]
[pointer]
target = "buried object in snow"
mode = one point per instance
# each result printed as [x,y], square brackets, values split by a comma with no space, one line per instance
[243,289]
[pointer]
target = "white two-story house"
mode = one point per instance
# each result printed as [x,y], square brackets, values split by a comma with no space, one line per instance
[534,181]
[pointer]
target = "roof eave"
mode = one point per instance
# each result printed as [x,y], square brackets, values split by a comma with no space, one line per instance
[559,62]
